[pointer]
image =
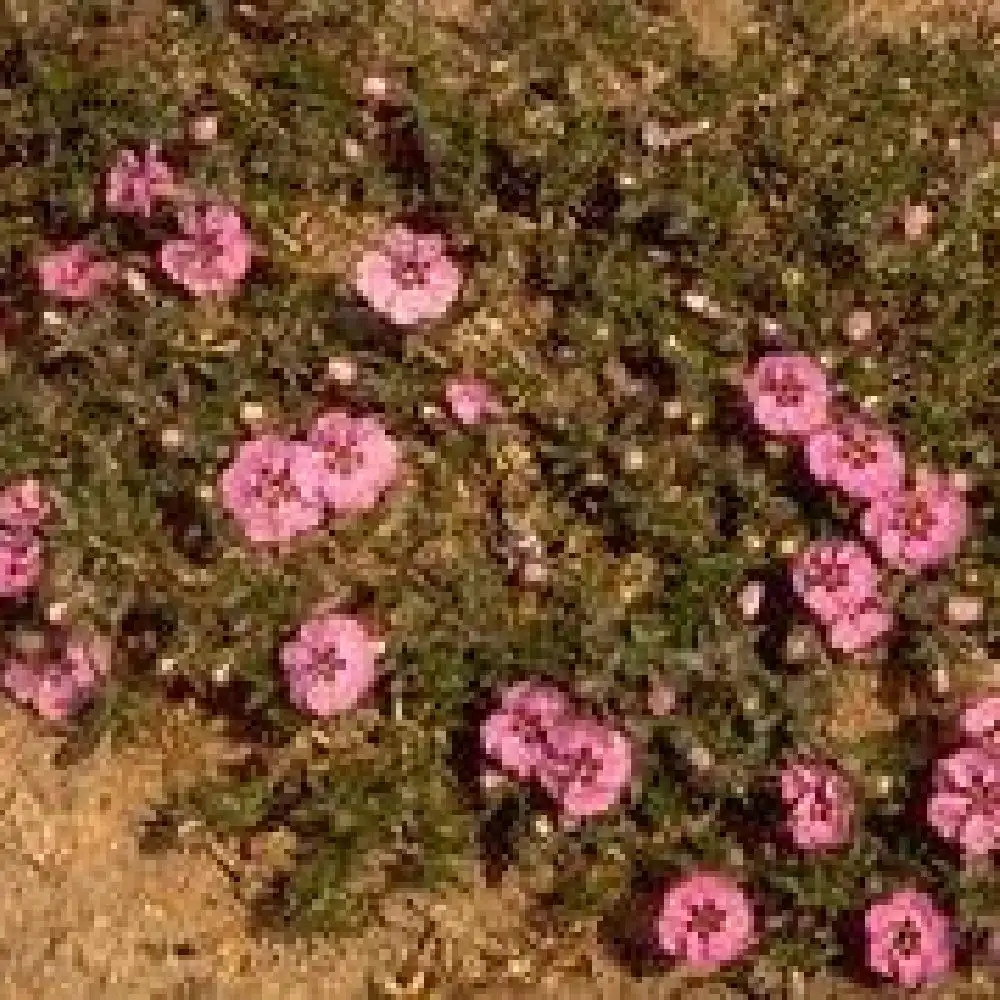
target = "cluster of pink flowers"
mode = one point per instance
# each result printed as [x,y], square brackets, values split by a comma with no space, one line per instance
[536,735]
[706,920]
[210,257]
[277,488]
[914,524]
[964,806]
[330,665]
[54,683]
[23,509]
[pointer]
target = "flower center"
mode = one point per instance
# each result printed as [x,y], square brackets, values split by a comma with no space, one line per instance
[277,488]
[916,518]
[408,271]
[828,572]
[706,919]
[785,387]
[906,939]
[860,449]
[579,768]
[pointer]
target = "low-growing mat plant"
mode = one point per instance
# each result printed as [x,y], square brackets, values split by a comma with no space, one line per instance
[635,226]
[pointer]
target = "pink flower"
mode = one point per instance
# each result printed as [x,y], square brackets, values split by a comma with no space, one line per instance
[965,805]
[706,921]
[273,487]
[980,722]
[214,255]
[471,400]
[860,628]
[20,562]
[859,459]
[409,277]
[516,733]
[360,459]
[789,394]
[820,803]
[920,527]
[74,273]
[134,182]
[23,505]
[585,766]
[908,939]
[57,685]
[330,665]
[834,579]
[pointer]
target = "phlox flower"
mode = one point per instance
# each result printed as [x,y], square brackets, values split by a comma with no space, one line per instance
[74,273]
[58,684]
[706,921]
[214,253]
[360,460]
[918,527]
[789,394]
[273,488]
[330,665]
[408,277]
[908,939]
[135,182]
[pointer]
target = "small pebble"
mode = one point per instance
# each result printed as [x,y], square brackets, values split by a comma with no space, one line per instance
[859,325]
[204,129]
[917,220]
[342,370]
[964,609]
[751,599]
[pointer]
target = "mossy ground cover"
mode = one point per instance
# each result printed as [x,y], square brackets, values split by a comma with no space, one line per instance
[519,130]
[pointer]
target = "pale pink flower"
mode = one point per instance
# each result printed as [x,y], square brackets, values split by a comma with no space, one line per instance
[820,805]
[74,273]
[980,722]
[789,393]
[516,732]
[23,505]
[135,182]
[859,459]
[330,665]
[360,459]
[586,766]
[471,400]
[908,939]
[706,921]
[56,686]
[273,487]
[214,254]
[834,579]
[965,805]
[408,277]
[919,527]
[20,561]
